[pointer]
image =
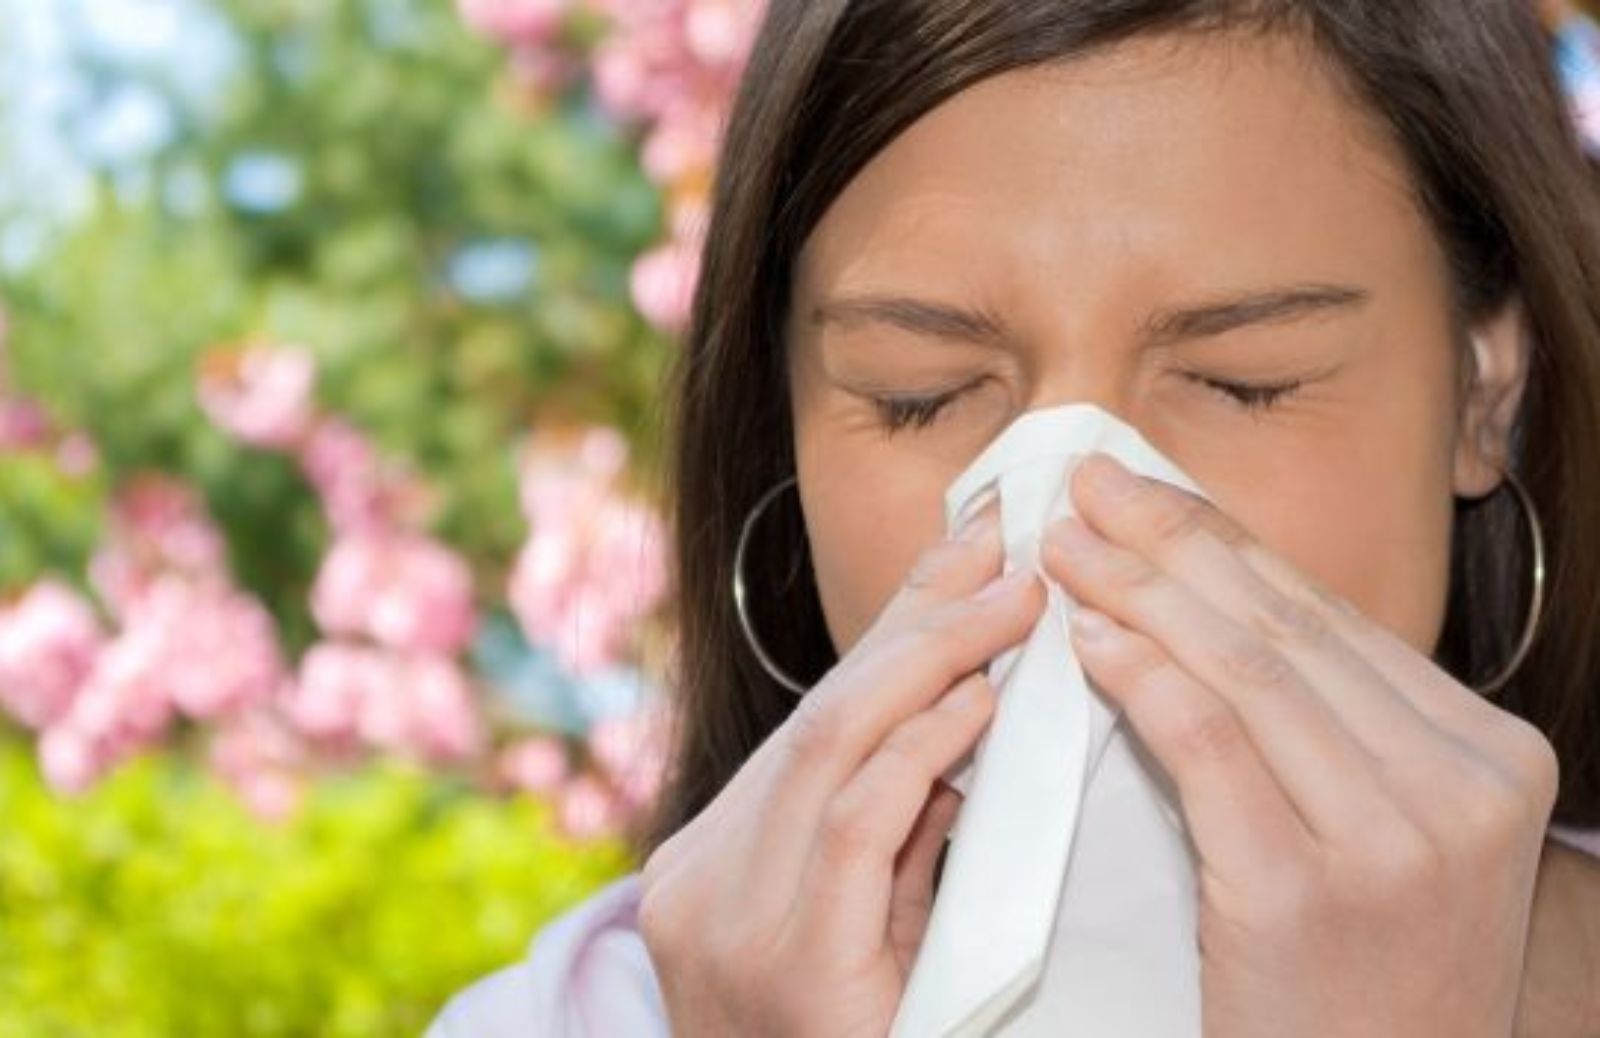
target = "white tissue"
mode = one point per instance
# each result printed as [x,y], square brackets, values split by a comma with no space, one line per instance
[1067,905]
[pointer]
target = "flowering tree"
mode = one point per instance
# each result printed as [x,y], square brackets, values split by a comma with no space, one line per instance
[668,67]
[395,608]
[299,558]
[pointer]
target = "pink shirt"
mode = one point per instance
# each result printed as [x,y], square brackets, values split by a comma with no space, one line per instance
[587,975]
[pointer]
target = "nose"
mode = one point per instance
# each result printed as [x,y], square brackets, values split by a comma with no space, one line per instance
[1071,372]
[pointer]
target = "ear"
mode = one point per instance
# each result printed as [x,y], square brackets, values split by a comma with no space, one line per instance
[1493,386]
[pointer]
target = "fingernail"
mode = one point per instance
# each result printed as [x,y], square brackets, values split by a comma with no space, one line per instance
[1107,475]
[1092,626]
[1073,538]
[1005,584]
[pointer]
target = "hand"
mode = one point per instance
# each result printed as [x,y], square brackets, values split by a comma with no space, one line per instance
[1368,829]
[795,902]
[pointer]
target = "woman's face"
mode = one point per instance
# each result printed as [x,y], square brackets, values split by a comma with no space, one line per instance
[1203,235]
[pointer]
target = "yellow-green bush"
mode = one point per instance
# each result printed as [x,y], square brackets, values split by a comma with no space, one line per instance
[157,906]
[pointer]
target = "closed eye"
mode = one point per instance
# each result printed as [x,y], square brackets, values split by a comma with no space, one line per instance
[1252,396]
[897,411]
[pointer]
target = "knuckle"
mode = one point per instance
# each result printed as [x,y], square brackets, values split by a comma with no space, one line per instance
[846,831]
[816,731]
[902,751]
[1129,573]
[1137,665]
[1491,809]
[928,571]
[1174,517]
[1211,734]
[1395,866]
[1537,762]
[656,866]
[1256,665]
[657,917]
[1282,620]
[937,643]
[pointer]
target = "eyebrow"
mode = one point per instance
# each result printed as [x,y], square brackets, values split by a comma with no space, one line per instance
[977,325]
[1273,306]
[917,316]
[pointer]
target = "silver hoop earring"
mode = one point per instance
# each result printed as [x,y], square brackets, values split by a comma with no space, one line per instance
[776,672]
[1530,627]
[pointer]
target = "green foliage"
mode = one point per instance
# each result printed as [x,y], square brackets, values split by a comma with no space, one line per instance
[50,519]
[156,906]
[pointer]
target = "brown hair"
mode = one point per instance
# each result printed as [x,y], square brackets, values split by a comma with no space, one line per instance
[1464,87]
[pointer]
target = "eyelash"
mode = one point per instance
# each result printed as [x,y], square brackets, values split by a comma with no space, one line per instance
[918,412]
[896,413]
[1252,397]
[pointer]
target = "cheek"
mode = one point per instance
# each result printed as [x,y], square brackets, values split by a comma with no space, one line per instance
[1369,519]
[868,517]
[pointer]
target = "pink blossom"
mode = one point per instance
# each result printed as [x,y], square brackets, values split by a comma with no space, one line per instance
[663,284]
[403,590]
[261,395]
[595,562]
[632,750]
[346,472]
[586,809]
[221,647]
[420,704]
[157,526]
[360,492]
[640,65]
[205,649]
[518,23]
[48,643]
[70,761]
[121,709]
[441,722]
[23,425]
[719,33]
[537,764]
[77,455]
[262,760]
[336,682]
[562,484]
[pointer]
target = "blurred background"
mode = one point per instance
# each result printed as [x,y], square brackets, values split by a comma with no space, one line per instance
[331,548]
[332,559]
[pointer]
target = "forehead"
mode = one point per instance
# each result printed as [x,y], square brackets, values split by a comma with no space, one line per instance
[1178,160]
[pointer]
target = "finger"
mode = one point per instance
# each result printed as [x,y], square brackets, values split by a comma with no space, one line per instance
[1193,541]
[1240,817]
[1435,693]
[842,721]
[847,717]
[1445,755]
[915,871]
[1396,699]
[949,572]
[849,881]
[1327,773]
[960,565]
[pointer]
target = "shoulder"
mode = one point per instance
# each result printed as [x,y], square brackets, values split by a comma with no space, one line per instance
[1561,979]
[586,974]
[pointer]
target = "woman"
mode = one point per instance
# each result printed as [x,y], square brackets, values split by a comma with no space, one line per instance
[1338,260]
